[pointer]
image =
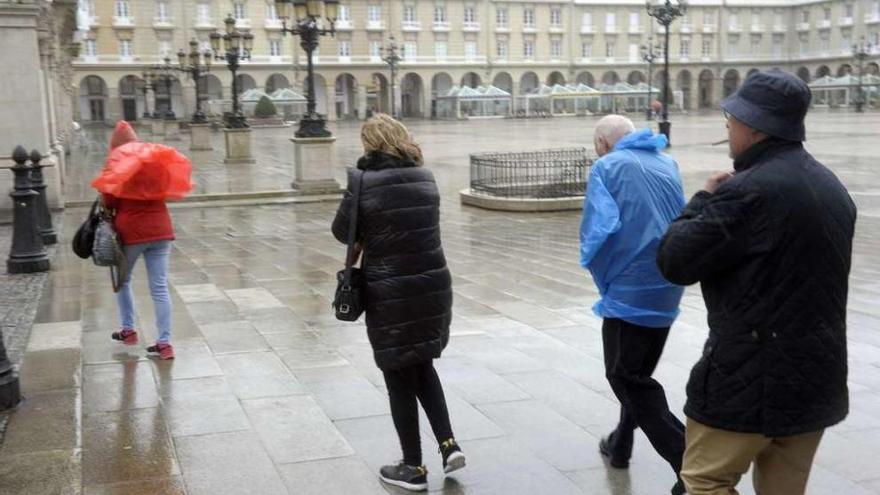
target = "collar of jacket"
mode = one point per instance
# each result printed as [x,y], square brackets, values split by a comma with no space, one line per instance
[379,161]
[760,150]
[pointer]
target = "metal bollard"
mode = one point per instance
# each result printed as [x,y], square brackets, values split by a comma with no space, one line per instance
[44,215]
[28,255]
[10,392]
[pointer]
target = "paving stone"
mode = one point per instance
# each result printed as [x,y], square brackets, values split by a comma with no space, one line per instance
[117,387]
[53,336]
[45,421]
[254,298]
[348,475]
[43,472]
[295,429]
[201,405]
[475,384]
[57,369]
[233,336]
[163,486]
[297,359]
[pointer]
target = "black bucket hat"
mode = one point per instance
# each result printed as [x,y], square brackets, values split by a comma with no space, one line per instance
[773,102]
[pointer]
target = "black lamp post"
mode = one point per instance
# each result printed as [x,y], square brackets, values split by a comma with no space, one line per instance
[861,52]
[650,51]
[145,86]
[665,12]
[192,63]
[162,74]
[392,59]
[306,16]
[236,47]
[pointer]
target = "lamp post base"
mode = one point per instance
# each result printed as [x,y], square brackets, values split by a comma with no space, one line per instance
[238,147]
[172,130]
[157,127]
[314,160]
[200,137]
[312,126]
[665,129]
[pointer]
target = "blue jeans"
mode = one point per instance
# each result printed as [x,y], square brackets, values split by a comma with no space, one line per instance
[156,257]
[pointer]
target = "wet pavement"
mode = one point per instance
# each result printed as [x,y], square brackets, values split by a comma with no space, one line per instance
[270,394]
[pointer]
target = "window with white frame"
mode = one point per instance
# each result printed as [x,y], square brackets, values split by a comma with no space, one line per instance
[125,49]
[803,44]
[805,15]
[610,47]
[470,50]
[685,48]
[501,17]
[777,19]
[755,45]
[876,7]
[733,46]
[274,48]
[826,13]
[501,49]
[848,11]
[409,14]
[587,20]
[344,48]
[555,17]
[162,11]
[777,45]
[440,14]
[708,18]
[271,12]
[441,49]
[122,9]
[610,21]
[875,40]
[91,48]
[587,49]
[733,19]
[344,13]
[470,15]
[375,49]
[529,49]
[824,42]
[633,20]
[756,17]
[707,47]
[410,50]
[374,13]
[633,52]
[239,11]
[164,48]
[90,7]
[203,12]
[555,49]
[846,39]
[529,17]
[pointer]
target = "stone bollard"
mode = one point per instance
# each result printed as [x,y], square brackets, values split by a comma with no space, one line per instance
[10,392]
[28,254]
[44,214]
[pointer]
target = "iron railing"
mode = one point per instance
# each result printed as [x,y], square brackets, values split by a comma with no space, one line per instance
[554,173]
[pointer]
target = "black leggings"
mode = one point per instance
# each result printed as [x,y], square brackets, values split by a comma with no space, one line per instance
[405,385]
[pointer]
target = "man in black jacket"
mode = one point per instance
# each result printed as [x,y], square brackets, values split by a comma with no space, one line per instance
[770,244]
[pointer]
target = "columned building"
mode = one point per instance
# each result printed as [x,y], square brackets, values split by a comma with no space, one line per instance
[515,45]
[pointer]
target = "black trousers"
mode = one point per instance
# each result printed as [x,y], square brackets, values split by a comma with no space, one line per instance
[406,386]
[631,354]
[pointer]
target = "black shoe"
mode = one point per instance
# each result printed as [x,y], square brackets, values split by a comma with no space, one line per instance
[413,478]
[453,458]
[679,489]
[605,450]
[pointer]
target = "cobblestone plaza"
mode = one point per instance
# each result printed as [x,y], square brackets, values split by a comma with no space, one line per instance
[270,394]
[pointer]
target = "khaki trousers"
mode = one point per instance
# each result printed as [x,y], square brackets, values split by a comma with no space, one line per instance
[715,460]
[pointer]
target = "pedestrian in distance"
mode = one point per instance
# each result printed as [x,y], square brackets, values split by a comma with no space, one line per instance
[135,183]
[633,192]
[770,244]
[408,288]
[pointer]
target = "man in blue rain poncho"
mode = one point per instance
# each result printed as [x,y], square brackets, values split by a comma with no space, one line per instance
[634,192]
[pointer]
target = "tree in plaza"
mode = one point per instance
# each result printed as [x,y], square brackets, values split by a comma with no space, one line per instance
[265,108]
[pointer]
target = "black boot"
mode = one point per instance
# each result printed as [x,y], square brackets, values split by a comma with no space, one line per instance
[616,460]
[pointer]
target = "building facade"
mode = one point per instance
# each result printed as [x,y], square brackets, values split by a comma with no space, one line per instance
[515,45]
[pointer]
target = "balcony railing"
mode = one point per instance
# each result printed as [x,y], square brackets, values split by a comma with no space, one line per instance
[375,25]
[273,24]
[825,24]
[846,21]
[124,22]
[556,28]
[470,26]
[586,28]
[441,25]
[204,23]
[163,23]
[635,29]
[803,26]
[686,28]
[411,25]
[709,28]
[779,28]
[502,28]
[344,25]
[610,28]
[872,18]
[243,23]
[529,28]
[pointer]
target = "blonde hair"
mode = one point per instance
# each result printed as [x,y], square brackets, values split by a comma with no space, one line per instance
[384,134]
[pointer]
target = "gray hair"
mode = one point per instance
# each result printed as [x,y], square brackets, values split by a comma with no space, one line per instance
[613,127]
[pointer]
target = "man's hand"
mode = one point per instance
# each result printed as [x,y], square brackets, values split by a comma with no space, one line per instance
[716,180]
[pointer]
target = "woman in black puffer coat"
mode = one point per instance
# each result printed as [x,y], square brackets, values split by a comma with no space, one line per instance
[408,288]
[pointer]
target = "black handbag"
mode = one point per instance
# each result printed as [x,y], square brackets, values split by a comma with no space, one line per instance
[349,300]
[84,239]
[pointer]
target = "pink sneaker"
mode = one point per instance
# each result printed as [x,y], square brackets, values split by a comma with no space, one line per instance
[127,336]
[165,351]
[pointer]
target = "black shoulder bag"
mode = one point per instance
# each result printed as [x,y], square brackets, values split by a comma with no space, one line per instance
[349,300]
[84,238]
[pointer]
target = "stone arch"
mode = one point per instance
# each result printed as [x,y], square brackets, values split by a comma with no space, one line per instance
[471,79]
[685,85]
[823,71]
[610,77]
[345,96]
[93,99]
[636,77]
[129,93]
[211,87]
[275,82]
[504,81]
[245,82]
[844,70]
[528,82]
[411,95]
[586,78]
[441,83]
[555,77]
[872,69]
[804,74]
[378,94]
[731,82]
[706,85]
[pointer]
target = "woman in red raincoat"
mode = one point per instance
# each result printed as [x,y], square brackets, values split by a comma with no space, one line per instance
[135,182]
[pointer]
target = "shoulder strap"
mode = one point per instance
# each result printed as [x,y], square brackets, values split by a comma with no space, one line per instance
[357,178]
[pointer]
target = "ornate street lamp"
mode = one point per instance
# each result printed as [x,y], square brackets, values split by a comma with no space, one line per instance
[163,74]
[392,59]
[308,25]
[236,47]
[197,66]
[665,12]
[650,51]
[861,52]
